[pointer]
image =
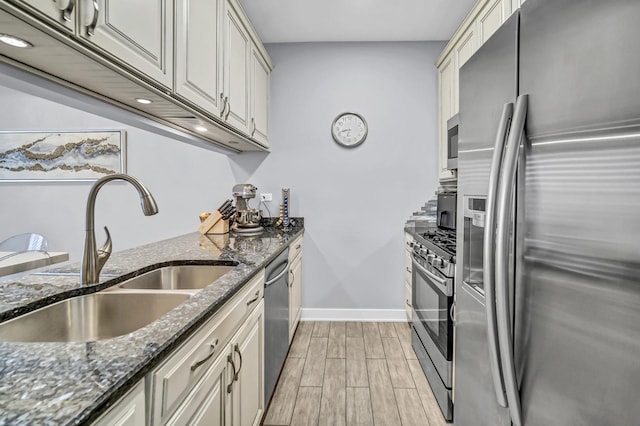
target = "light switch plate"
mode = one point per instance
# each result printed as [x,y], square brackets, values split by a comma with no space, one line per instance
[266,197]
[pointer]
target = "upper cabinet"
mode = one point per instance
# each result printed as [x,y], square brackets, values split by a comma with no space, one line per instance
[199,53]
[199,63]
[138,34]
[259,98]
[447,101]
[237,54]
[485,18]
[60,13]
[492,15]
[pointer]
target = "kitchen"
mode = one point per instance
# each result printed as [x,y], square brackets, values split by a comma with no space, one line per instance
[374,183]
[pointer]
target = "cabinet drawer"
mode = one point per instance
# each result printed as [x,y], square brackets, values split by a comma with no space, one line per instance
[172,381]
[295,249]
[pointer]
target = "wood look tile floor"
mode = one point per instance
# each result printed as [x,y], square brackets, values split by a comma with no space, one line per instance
[353,373]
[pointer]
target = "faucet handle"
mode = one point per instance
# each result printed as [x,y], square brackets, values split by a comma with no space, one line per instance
[104,252]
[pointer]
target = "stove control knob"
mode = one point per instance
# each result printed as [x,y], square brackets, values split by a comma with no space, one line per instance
[423,251]
[430,257]
[437,262]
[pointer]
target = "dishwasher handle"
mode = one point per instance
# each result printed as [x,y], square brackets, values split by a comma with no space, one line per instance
[280,274]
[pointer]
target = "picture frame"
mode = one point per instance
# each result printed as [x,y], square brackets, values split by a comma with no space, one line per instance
[61,156]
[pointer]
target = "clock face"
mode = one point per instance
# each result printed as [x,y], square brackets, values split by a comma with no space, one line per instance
[349,129]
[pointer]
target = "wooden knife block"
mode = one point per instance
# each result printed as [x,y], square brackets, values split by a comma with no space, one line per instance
[214,224]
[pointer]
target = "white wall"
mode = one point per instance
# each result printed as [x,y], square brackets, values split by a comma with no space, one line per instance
[184,179]
[355,201]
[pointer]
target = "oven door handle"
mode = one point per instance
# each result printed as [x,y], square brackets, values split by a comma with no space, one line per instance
[443,284]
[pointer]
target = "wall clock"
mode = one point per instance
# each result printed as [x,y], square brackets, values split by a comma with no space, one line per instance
[349,129]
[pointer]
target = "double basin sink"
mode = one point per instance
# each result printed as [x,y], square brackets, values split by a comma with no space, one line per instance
[118,310]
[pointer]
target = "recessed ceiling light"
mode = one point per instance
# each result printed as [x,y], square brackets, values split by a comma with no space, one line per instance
[14,41]
[143,101]
[201,128]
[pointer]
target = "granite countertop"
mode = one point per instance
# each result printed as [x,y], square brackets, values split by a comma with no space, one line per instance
[73,383]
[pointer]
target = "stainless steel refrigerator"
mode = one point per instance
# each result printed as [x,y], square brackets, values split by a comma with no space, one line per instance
[548,276]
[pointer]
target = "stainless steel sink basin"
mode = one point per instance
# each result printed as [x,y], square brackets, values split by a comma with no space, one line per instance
[183,277]
[92,317]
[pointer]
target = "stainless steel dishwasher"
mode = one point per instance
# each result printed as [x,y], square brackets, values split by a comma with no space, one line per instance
[276,314]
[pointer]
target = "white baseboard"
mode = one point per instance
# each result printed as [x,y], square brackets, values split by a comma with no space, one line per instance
[396,315]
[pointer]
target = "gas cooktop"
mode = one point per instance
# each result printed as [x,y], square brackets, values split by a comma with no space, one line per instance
[444,239]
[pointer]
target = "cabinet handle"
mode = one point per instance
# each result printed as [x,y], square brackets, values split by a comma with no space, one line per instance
[92,26]
[408,270]
[298,247]
[233,365]
[66,12]
[205,359]
[408,303]
[257,296]
[236,349]
[223,100]
[253,126]
[293,277]
[226,117]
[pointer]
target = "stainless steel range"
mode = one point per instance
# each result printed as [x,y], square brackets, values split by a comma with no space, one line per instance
[433,257]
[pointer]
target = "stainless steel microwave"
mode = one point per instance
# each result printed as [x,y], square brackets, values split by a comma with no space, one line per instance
[452,142]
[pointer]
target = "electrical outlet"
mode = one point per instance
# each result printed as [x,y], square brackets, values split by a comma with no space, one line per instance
[266,197]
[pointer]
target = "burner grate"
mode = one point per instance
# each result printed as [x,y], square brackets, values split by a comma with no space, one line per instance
[442,238]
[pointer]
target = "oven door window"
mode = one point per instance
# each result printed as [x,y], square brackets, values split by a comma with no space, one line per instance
[432,309]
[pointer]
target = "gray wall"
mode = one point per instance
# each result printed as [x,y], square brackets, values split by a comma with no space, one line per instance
[355,201]
[184,179]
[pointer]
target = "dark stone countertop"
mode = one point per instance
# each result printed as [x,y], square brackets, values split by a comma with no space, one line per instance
[73,383]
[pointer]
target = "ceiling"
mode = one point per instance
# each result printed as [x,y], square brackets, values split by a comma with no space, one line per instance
[287,21]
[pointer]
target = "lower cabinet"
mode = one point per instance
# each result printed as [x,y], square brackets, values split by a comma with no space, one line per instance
[247,388]
[215,378]
[129,411]
[295,285]
[231,391]
[208,379]
[408,271]
[205,405]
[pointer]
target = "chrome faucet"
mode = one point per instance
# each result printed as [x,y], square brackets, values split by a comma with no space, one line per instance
[93,260]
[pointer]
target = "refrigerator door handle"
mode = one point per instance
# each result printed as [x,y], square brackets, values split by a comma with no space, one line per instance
[503,221]
[489,258]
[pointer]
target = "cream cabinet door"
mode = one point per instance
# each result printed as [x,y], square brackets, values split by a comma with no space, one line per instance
[207,403]
[61,12]
[248,382]
[137,33]
[237,51]
[128,411]
[259,98]
[407,302]
[295,294]
[491,17]
[447,96]
[199,53]
[408,269]
[466,46]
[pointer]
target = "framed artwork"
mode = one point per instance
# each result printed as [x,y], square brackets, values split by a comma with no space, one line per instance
[61,156]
